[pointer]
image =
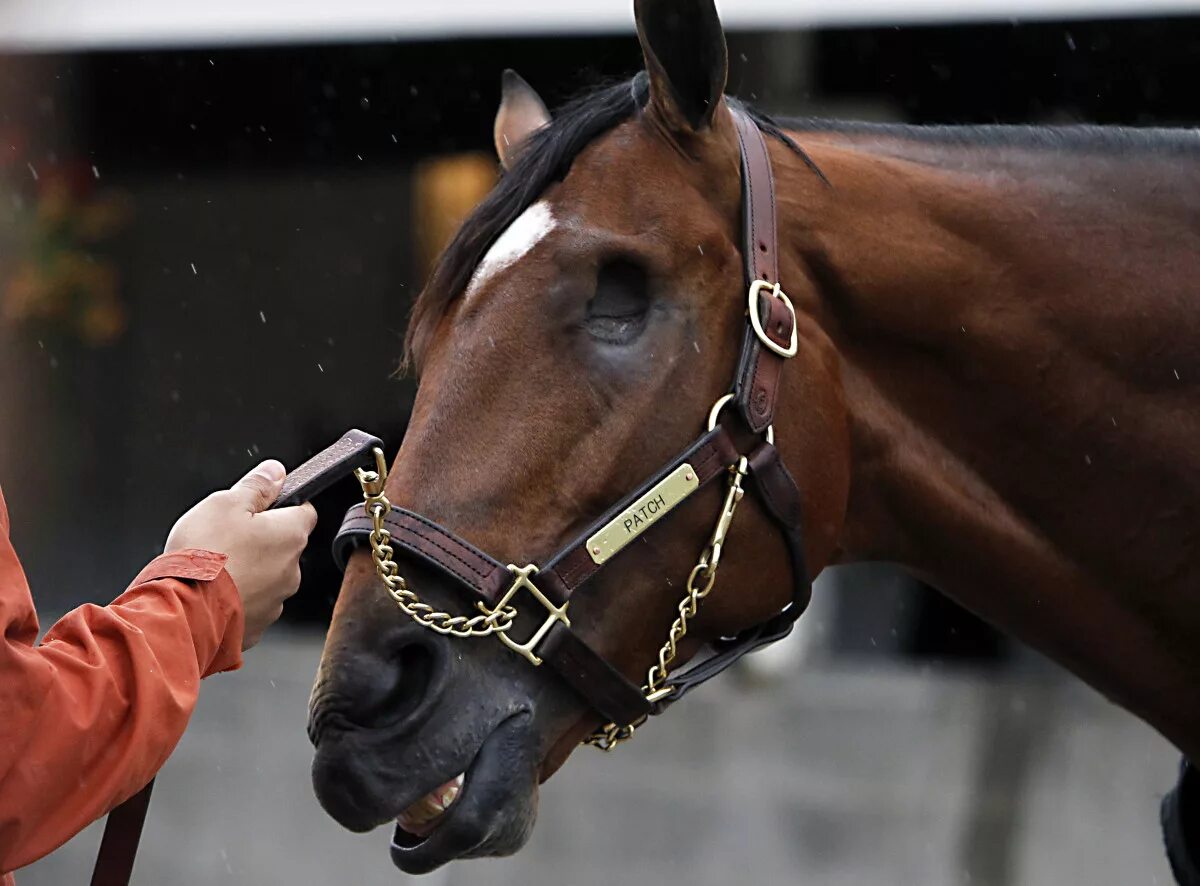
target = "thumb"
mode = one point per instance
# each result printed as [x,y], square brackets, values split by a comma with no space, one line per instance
[258,489]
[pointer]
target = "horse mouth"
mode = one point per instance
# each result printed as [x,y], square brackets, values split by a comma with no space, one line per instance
[487,810]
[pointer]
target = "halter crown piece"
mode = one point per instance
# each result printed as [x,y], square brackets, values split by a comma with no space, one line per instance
[501,590]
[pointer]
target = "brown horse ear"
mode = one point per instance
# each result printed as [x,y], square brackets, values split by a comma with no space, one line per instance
[686,58]
[521,113]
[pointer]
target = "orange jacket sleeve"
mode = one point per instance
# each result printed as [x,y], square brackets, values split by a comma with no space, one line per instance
[88,716]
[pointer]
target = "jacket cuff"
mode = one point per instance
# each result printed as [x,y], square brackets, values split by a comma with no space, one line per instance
[219,594]
[189,565]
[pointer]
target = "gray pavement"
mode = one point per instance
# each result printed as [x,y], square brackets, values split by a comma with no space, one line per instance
[847,774]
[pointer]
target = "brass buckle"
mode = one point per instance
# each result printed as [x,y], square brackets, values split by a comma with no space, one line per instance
[521,575]
[755,288]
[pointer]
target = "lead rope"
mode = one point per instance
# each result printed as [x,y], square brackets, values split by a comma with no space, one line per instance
[700,583]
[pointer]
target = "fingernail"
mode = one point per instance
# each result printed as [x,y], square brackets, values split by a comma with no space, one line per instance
[273,469]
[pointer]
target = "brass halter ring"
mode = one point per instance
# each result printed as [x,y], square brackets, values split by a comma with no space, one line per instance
[715,413]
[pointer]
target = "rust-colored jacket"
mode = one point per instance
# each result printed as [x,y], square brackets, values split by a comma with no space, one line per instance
[89,715]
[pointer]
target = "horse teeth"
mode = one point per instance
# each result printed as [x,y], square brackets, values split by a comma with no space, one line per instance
[450,792]
[432,806]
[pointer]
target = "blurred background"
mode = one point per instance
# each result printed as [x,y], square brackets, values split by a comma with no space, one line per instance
[213,219]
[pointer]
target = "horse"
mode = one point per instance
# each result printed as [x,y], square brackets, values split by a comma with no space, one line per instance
[994,382]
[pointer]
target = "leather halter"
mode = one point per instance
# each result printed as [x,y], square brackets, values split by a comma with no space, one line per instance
[768,341]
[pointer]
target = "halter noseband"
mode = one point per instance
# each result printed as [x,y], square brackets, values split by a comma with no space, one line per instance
[768,342]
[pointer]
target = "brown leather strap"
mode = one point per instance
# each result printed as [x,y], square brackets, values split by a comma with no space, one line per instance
[758,205]
[756,385]
[780,498]
[597,682]
[709,456]
[122,833]
[326,468]
[458,559]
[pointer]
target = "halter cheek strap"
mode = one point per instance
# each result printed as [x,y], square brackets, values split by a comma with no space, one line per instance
[768,341]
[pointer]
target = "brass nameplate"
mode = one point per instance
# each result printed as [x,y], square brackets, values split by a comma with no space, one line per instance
[643,513]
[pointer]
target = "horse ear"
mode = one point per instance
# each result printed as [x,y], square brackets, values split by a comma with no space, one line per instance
[521,113]
[686,58]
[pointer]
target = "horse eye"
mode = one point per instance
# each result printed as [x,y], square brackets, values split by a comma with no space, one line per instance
[616,314]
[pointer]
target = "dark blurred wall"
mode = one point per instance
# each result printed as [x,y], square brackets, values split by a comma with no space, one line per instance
[266,314]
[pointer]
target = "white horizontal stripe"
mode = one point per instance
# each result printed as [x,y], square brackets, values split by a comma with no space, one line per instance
[113,23]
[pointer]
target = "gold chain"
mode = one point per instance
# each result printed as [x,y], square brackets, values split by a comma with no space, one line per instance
[700,583]
[377,505]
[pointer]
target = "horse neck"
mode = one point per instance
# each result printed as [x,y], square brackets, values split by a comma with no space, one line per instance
[1019,365]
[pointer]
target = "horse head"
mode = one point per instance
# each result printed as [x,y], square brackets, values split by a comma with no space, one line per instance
[572,339]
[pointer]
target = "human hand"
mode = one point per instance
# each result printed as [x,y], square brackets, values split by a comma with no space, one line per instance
[263,546]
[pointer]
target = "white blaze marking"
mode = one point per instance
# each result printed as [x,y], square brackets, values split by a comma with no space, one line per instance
[521,236]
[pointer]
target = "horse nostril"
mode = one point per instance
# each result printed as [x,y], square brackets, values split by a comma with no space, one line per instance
[395,687]
[416,673]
